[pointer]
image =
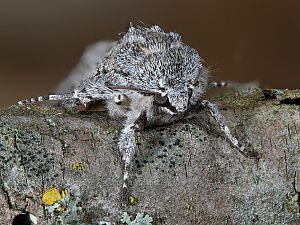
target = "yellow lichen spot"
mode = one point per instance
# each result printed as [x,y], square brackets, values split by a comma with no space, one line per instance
[60,209]
[77,166]
[51,196]
[190,207]
[64,193]
[131,200]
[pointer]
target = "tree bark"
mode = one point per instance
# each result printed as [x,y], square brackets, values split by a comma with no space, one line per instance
[184,173]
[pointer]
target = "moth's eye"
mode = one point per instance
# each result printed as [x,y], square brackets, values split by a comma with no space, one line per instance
[190,92]
[158,98]
[196,82]
[162,89]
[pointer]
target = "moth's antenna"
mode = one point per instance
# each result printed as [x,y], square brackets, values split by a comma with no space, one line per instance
[52,97]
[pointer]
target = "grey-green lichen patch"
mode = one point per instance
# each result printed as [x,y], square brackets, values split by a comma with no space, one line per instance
[252,202]
[140,219]
[245,100]
[292,203]
[166,165]
[62,205]
[16,110]
[163,154]
[127,219]
[8,152]
[24,156]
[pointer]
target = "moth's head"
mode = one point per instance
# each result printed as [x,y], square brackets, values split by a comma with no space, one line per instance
[169,67]
[183,80]
[178,97]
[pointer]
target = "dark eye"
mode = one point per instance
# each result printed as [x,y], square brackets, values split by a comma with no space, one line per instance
[163,101]
[190,93]
[196,83]
[160,100]
[162,89]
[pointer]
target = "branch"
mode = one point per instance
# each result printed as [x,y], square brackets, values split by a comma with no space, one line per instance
[59,165]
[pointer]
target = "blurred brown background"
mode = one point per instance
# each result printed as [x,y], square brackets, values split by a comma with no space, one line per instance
[41,41]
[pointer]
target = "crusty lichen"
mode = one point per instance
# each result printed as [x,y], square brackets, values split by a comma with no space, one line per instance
[78,166]
[61,204]
[52,196]
[140,219]
[132,200]
[246,100]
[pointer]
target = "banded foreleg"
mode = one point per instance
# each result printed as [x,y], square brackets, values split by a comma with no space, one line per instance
[127,146]
[215,113]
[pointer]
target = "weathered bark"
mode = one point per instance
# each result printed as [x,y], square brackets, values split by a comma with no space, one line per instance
[184,173]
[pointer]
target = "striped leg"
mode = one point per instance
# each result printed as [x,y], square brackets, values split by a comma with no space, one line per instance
[217,84]
[78,96]
[127,147]
[234,85]
[215,112]
[53,97]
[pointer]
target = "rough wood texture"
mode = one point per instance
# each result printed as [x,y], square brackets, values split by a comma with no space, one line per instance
[185,173]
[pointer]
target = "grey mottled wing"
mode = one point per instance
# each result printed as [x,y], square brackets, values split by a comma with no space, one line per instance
[145,57]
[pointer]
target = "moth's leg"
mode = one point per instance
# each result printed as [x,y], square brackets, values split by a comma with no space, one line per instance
[127,146]
[79,96]
[67,100]
[215,112]
[167,110]
[234,85]
[218,84]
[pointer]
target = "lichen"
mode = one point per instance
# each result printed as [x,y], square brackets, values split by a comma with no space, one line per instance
[105,223]
[292,203]
[247,100]
[52,196]
[61,204]
[131,200]
[78,166]
[140,219]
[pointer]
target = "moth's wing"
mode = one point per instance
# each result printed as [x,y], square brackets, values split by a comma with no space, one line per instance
[92,95]
[98,105]
[140,90]
[138,59]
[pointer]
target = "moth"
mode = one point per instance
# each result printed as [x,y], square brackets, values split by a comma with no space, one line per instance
[149,77]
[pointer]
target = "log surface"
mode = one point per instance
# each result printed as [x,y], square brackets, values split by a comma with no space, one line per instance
[184,173]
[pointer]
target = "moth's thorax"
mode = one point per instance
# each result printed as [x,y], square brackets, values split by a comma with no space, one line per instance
[151,59]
